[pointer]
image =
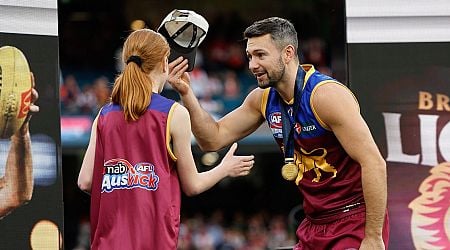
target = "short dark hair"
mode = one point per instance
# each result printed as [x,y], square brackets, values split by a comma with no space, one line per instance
[281,30]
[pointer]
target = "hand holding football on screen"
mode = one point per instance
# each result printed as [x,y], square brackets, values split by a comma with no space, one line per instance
[17,97]
[17,93]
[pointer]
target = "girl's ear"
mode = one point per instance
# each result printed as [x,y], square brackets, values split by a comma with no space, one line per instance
[165,64]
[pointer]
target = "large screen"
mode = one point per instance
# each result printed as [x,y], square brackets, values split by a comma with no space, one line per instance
[404,93]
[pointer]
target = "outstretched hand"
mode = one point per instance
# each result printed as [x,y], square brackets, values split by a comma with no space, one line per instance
[178,77]
[237,165]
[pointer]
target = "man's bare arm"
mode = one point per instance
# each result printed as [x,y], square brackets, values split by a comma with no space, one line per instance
[17,183]
[212,135]
[16,186]
[337,108]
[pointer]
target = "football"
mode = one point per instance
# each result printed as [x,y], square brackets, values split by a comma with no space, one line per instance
[15,90]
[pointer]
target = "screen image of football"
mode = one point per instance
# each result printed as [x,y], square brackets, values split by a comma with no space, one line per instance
[15,90]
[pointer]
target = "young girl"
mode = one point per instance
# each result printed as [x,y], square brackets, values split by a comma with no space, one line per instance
[139,155]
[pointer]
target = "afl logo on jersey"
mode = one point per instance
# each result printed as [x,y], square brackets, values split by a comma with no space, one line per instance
[144,168]
[276,124]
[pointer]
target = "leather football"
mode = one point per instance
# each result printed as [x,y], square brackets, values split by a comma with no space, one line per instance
[15,90]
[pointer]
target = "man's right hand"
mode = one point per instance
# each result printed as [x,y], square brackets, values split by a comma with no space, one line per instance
[178,77]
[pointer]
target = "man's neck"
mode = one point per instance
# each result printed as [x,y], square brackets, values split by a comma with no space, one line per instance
[286,86]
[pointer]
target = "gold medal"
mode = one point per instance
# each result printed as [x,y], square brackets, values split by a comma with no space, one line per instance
[289,171]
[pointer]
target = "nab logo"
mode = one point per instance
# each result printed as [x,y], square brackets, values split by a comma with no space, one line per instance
[117,166]
[275,120]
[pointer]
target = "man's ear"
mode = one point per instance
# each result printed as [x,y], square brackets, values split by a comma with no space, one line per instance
[289,53]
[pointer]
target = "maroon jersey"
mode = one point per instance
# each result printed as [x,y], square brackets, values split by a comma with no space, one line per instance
[135,196]
[330,179]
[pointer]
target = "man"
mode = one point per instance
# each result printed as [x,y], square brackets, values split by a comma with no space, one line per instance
[339,169]
[16,186]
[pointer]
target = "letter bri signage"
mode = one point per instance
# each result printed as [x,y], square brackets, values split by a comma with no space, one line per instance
[404,93]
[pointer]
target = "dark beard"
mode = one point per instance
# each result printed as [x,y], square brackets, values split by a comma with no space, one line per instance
[277,76]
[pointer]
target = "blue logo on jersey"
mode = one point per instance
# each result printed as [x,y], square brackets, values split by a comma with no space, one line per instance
[276,124]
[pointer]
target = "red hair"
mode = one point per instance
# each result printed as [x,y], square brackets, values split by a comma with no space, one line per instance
[133,87]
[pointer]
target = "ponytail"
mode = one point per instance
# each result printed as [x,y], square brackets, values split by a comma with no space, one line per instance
[132,91]
[143,52]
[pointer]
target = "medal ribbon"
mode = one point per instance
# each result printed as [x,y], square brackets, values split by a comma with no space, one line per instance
[289,124]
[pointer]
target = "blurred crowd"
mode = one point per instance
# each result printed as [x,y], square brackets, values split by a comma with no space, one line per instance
[259,231]
[85,99]
[220,79]
[256,232]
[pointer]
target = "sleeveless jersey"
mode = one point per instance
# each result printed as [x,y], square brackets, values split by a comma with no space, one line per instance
[330,178]
[135,196]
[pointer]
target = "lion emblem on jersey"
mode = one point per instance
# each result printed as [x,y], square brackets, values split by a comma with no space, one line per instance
[430,222]
[314,160]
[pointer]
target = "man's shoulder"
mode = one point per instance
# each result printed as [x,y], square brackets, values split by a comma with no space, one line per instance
[256,95]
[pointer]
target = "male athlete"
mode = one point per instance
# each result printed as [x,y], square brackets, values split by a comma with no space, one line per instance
[328,148]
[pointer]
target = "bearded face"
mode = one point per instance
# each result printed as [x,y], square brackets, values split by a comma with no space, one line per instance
[273,76]
[265,61]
